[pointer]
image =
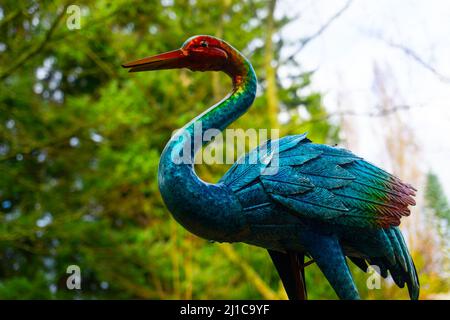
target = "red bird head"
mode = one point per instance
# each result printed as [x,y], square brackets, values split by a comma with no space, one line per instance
[199,53]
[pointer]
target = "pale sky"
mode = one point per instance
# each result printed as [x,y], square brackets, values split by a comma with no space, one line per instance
[344,56]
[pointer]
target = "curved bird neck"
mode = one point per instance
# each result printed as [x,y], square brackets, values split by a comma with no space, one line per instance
[206,209]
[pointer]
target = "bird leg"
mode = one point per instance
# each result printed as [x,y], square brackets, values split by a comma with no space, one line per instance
[298,269]
[327,252]
[290,268]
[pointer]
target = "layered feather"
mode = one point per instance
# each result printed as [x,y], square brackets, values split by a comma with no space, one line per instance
[323,182]
[334,186]
[401,268]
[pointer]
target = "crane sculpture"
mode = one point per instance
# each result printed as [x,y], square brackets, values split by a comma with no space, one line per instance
[299,200]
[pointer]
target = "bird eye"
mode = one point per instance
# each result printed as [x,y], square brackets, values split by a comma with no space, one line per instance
[204,44]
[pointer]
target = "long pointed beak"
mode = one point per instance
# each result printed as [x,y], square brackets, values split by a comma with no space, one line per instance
[169,60]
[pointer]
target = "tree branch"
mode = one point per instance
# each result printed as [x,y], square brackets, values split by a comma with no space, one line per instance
[249,272]
[304,42]
[413,55]
[27,150]
[10,17]
[36,49]
[381,113]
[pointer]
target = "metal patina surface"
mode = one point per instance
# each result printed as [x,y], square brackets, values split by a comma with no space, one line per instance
[321,202]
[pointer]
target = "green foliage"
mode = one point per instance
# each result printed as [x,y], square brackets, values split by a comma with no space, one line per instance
[435,198]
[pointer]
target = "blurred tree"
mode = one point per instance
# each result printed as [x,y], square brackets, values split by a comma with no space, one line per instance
[80,141]
[435,198]
[438,213]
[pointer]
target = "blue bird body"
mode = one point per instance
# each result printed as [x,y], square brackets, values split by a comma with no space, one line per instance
[318,205]
[289,196]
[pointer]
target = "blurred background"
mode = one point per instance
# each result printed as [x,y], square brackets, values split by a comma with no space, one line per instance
[80,138]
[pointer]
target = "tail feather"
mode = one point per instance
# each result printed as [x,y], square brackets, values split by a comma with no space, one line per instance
[382,264]
[398,252]
[402,269]
[412,279]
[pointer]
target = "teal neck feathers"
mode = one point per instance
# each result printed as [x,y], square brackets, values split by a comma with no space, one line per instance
[206,209]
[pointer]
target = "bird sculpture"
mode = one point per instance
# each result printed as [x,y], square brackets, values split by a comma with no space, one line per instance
[301,200]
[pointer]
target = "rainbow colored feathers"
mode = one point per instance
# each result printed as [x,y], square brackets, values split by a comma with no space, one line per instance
[325,190]
[325,183]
